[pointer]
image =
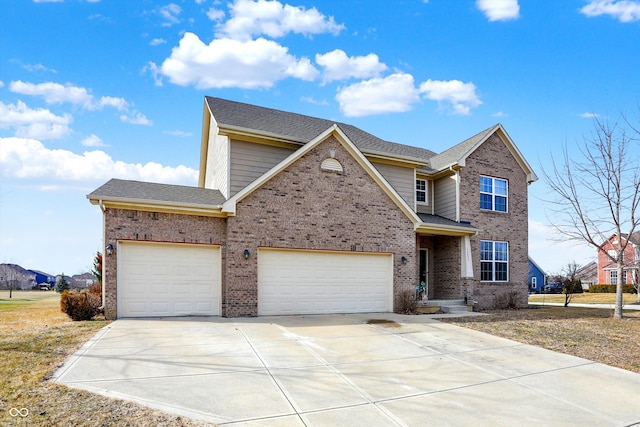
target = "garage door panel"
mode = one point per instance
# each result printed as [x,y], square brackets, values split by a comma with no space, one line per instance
[313,282]
[168,280]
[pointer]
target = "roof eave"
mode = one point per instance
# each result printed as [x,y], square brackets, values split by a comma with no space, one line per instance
[156,205]
[445,230]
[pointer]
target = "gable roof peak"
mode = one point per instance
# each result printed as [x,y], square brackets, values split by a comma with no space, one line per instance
[457,155]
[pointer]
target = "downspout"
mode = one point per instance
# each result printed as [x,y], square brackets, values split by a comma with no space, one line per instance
[104,255]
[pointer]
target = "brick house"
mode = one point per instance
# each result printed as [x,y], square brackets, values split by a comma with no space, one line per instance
[607,270]
[300,215]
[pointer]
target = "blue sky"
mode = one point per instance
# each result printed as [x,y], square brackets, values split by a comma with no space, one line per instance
[91,90]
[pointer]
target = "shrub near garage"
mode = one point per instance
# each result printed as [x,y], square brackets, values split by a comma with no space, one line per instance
[83,305]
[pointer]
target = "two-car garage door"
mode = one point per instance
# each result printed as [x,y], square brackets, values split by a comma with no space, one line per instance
[156,279]
[317,282]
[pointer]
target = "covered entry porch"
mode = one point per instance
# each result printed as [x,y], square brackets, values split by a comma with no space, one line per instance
[445,264]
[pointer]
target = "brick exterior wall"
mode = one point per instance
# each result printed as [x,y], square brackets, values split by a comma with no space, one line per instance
[494,159]
[304,207]
[123,224]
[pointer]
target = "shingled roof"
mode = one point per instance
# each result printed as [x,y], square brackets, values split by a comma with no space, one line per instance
[455,153]
[300,128]
[124,190]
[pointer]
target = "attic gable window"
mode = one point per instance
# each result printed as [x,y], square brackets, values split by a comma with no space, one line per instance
[493,194]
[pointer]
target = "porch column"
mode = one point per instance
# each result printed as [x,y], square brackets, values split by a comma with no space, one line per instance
[466,261]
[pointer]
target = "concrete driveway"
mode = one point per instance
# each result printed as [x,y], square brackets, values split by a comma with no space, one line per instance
[342,370]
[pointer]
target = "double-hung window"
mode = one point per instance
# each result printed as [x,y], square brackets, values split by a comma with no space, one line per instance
[613,277]
[493,194]
[494,261]
[421,191]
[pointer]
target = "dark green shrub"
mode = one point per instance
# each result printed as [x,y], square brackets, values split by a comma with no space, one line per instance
[82,305]
[611,289]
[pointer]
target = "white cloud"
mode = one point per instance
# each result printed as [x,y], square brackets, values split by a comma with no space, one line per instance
[624,10]
[170,13]
[338,66]
[93,141]
[29,158]
[588,115]
[109,101]
[157,42]
[37,68]
[33,123]
[312,100]
[179,133]
[55,93]
[392,94]
[397,93]
[215,14]
[272,18]
[500,114]
[226,63]
[136,118]
[462,96]
[499,10]
[1,83]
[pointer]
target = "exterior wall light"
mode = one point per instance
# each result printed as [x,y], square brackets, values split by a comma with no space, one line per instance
[404,259]
[246,253]
[109,249]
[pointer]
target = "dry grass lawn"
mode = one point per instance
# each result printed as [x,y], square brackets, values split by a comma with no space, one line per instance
[585,298]
[590,333]
[35,339]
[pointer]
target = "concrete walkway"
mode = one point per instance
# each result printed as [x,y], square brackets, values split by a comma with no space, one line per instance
[355,370]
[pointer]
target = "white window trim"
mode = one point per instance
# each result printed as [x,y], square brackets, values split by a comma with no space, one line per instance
[426,191]
[613,280]
[534,281]
[493,262]
[493,194]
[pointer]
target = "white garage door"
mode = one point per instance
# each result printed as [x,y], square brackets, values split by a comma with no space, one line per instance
[313,282]
[168,280]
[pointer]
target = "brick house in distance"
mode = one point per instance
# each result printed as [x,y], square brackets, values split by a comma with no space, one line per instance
[300,215]
[607,270]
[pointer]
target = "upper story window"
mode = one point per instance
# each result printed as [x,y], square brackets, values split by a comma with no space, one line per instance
[494,261]
[493,194]
[421,191]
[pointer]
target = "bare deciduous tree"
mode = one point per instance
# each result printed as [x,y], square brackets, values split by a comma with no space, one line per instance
[570,281]
[597,192]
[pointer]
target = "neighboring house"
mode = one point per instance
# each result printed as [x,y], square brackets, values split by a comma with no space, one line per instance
[12,276]
[81,281]
[607,270]
[588,274]
[537,277]
[300,215]
[41,277]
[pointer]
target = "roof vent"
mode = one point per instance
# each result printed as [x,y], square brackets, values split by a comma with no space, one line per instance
[332,165]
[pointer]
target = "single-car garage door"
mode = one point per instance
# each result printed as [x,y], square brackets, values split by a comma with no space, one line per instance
[315,282]
[157,279]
